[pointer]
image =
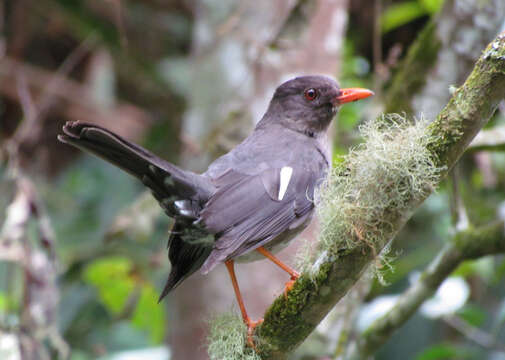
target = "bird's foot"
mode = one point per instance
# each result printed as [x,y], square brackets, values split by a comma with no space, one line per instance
[290,283]
[251,325]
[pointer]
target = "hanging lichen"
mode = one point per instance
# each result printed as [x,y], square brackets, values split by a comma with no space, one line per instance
[227,339]
[376,183]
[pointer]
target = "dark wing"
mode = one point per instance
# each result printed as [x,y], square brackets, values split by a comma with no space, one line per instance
[246,212]
[167,182]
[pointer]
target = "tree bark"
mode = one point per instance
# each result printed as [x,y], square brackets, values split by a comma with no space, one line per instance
[246,50]
[443,55]
[289,320]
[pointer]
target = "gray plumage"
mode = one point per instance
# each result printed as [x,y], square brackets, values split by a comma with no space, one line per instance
[245,199]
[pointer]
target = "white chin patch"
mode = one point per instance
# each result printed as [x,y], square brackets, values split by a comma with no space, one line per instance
[286,173]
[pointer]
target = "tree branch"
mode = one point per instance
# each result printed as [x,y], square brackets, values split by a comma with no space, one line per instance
[290,319]
[468,244]
[443,54]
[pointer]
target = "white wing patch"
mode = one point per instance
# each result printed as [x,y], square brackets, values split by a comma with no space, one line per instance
[182,205]
[286,173]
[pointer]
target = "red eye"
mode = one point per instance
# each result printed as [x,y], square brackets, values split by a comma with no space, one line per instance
[310,94]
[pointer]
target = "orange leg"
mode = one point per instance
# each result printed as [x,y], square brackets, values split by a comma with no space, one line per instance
[250,324]
[293,273]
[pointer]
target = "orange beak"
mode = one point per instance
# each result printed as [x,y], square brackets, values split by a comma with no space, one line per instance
[353,94]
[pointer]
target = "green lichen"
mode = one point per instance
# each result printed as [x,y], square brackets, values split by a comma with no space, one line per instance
[471,105]
[357,206]
[227,339]
[449,130]
[476,242]
[372,187]
[411,76]
[286,311]
[304,255]
[375,184]
[439,145]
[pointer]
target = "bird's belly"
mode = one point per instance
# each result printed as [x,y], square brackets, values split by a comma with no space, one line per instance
[275,245]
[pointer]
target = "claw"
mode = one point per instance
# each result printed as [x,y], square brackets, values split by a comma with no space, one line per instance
[289,285]
[251,325]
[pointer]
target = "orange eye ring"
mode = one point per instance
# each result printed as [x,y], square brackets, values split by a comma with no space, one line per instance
[310,94]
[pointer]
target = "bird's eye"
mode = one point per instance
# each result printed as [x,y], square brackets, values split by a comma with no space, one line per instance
[310,94]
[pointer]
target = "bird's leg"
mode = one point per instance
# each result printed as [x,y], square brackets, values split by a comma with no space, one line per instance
[250,324]
[293,273]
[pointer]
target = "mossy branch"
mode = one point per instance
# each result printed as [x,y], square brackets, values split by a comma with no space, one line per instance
[290,319]
[429,66]
[471,105]
[468,244]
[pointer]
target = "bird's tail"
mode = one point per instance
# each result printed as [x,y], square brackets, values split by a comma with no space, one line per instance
[180,193]
[189,247]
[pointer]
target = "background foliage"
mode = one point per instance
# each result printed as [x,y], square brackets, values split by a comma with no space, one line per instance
[82,248]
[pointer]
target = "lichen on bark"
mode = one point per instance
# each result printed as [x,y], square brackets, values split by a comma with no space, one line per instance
[291,319]
[443,55]
[471,105]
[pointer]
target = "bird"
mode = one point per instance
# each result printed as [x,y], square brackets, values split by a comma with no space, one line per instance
[251,201]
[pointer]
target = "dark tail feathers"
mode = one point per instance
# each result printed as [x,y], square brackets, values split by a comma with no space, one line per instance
[179,192]
[189,247]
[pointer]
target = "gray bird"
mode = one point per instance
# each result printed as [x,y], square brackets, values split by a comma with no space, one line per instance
[258,196]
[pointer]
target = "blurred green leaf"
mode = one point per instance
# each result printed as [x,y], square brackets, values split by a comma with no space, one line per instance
[3,302]
[354,67]
[483,267]
[400,14]
[500,271]
[111,277]
[432,6]
[354,73]
[349,116]
[79,355]
[477,179]
[115,282]
[465,269]
[473,314]
[444,351]
[149,315]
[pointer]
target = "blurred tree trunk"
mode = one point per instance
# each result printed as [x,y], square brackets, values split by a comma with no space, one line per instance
[443,55]
[241,52]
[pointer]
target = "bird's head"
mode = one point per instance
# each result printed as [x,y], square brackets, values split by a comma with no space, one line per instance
[309,103]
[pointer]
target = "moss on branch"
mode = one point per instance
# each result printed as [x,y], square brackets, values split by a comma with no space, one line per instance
[291,319]
[471,105]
